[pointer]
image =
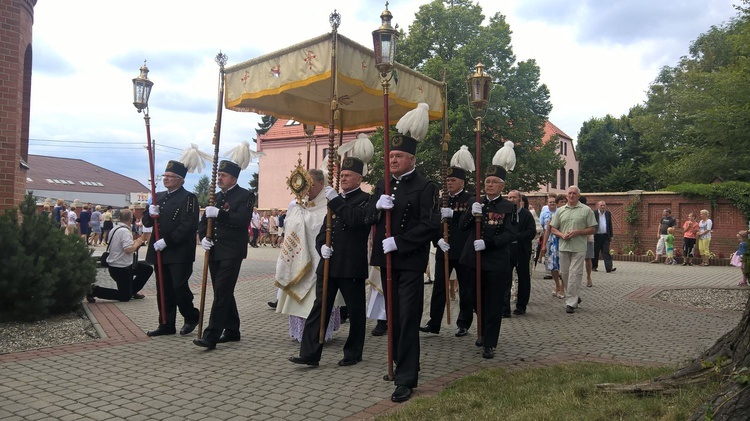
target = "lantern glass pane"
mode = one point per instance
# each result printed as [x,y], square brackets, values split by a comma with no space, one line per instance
[387,48]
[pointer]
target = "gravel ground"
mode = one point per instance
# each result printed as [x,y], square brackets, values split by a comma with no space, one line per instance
[76,327]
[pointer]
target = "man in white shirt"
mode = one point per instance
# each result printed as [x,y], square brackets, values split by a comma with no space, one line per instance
[255,224]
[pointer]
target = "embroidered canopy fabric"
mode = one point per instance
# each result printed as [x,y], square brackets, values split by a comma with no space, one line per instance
[296,83]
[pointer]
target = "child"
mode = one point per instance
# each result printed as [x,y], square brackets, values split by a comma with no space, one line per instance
[670,247]
[738,259]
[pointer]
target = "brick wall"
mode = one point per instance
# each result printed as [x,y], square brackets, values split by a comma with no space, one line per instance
[727,219]
[16,20]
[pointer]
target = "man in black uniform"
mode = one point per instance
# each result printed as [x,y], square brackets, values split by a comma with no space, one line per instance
[458,204]
[497,215]
[415,219]
[520,254]
[347,267]
[227,248]
[177,211]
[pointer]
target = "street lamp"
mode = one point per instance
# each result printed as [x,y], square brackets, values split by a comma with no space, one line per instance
[479,87]
[309,132]
[141,92]
[384,41]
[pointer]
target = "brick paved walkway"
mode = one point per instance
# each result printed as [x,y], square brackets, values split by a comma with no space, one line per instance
[132,377]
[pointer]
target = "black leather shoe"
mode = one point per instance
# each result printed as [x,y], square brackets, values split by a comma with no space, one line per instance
[380,329]
[304,361]
[138,296]
[570,309]
[204,343]
[228,338]
[349,361]
[506,316]
[428,329]
[519,312]
[272,304]
[614,269]
[479,342]
[547,277]
[188,328]
[461,331]
[488,353]
[90,294]
[428,282]
[160,331]
[401,394]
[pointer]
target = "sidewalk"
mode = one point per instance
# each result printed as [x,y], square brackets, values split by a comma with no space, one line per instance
[133,377]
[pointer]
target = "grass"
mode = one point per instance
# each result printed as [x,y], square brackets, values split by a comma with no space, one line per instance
[562,392]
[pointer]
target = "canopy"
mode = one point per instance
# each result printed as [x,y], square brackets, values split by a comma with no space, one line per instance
[295,83]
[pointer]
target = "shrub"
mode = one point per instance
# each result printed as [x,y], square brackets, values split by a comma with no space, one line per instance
[43,271]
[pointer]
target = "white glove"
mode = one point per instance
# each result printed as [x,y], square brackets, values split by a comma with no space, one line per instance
[206,244]
[326,252]
[212,211]
[331,193]
[389,245]
[160,245]
[443,245]
[153,210]
[479,245]
[476,208]
[446,213]
[385,202]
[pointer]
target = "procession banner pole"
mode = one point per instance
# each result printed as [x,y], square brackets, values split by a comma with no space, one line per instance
[443,173]
[159,271]
[221,60]
[478,229]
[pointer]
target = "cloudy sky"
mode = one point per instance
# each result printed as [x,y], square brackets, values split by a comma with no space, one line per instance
[596,57]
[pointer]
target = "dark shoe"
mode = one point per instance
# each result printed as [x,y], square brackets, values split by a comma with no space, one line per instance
[380,329]
[547,277]
[428,329]
[488,353]
[160,331]
[188,328]
[461,331]
[479,342]
[346,361]
[428,282]
[612,270]
[304,361]
[205,344]
[90,294]
[272,304]
[506,316]
[596,270]
[579,300]
[570,309]
[519,312]
[401,394]
[138,296]
[228,338]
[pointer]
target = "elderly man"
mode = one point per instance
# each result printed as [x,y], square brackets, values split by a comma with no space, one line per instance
[458,204]
[572,223]
[129,275]
[520,255]
[177,211]
[226,247]
[347,257]
[602,237]
[498,221]
[415,219]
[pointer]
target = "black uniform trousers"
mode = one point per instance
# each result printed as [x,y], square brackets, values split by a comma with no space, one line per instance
[437,302]
[467,295]
[129,281]
[408,302]
[520,261]
[177,295]
[353,291]
[494,284]
[601,244]
[224,314]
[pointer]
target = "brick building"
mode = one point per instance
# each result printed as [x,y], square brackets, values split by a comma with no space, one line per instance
[17,17]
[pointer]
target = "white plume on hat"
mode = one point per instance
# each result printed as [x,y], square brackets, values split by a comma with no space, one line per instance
[360,148]
[506,156]
[463,159]
[242,155]
[194,159]
[415,121]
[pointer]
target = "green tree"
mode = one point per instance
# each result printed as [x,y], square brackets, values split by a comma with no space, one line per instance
[202,189]
[254,186]
[450,37]
[265,124]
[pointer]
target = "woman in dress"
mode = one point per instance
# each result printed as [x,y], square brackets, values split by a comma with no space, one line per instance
[550,246]
[705,226]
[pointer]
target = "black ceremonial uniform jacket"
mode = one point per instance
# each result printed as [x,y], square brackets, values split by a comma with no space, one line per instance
[414,219]
[498,231]
[178,221]
[525,231]
[229,233]
[461,204]
[348,237]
